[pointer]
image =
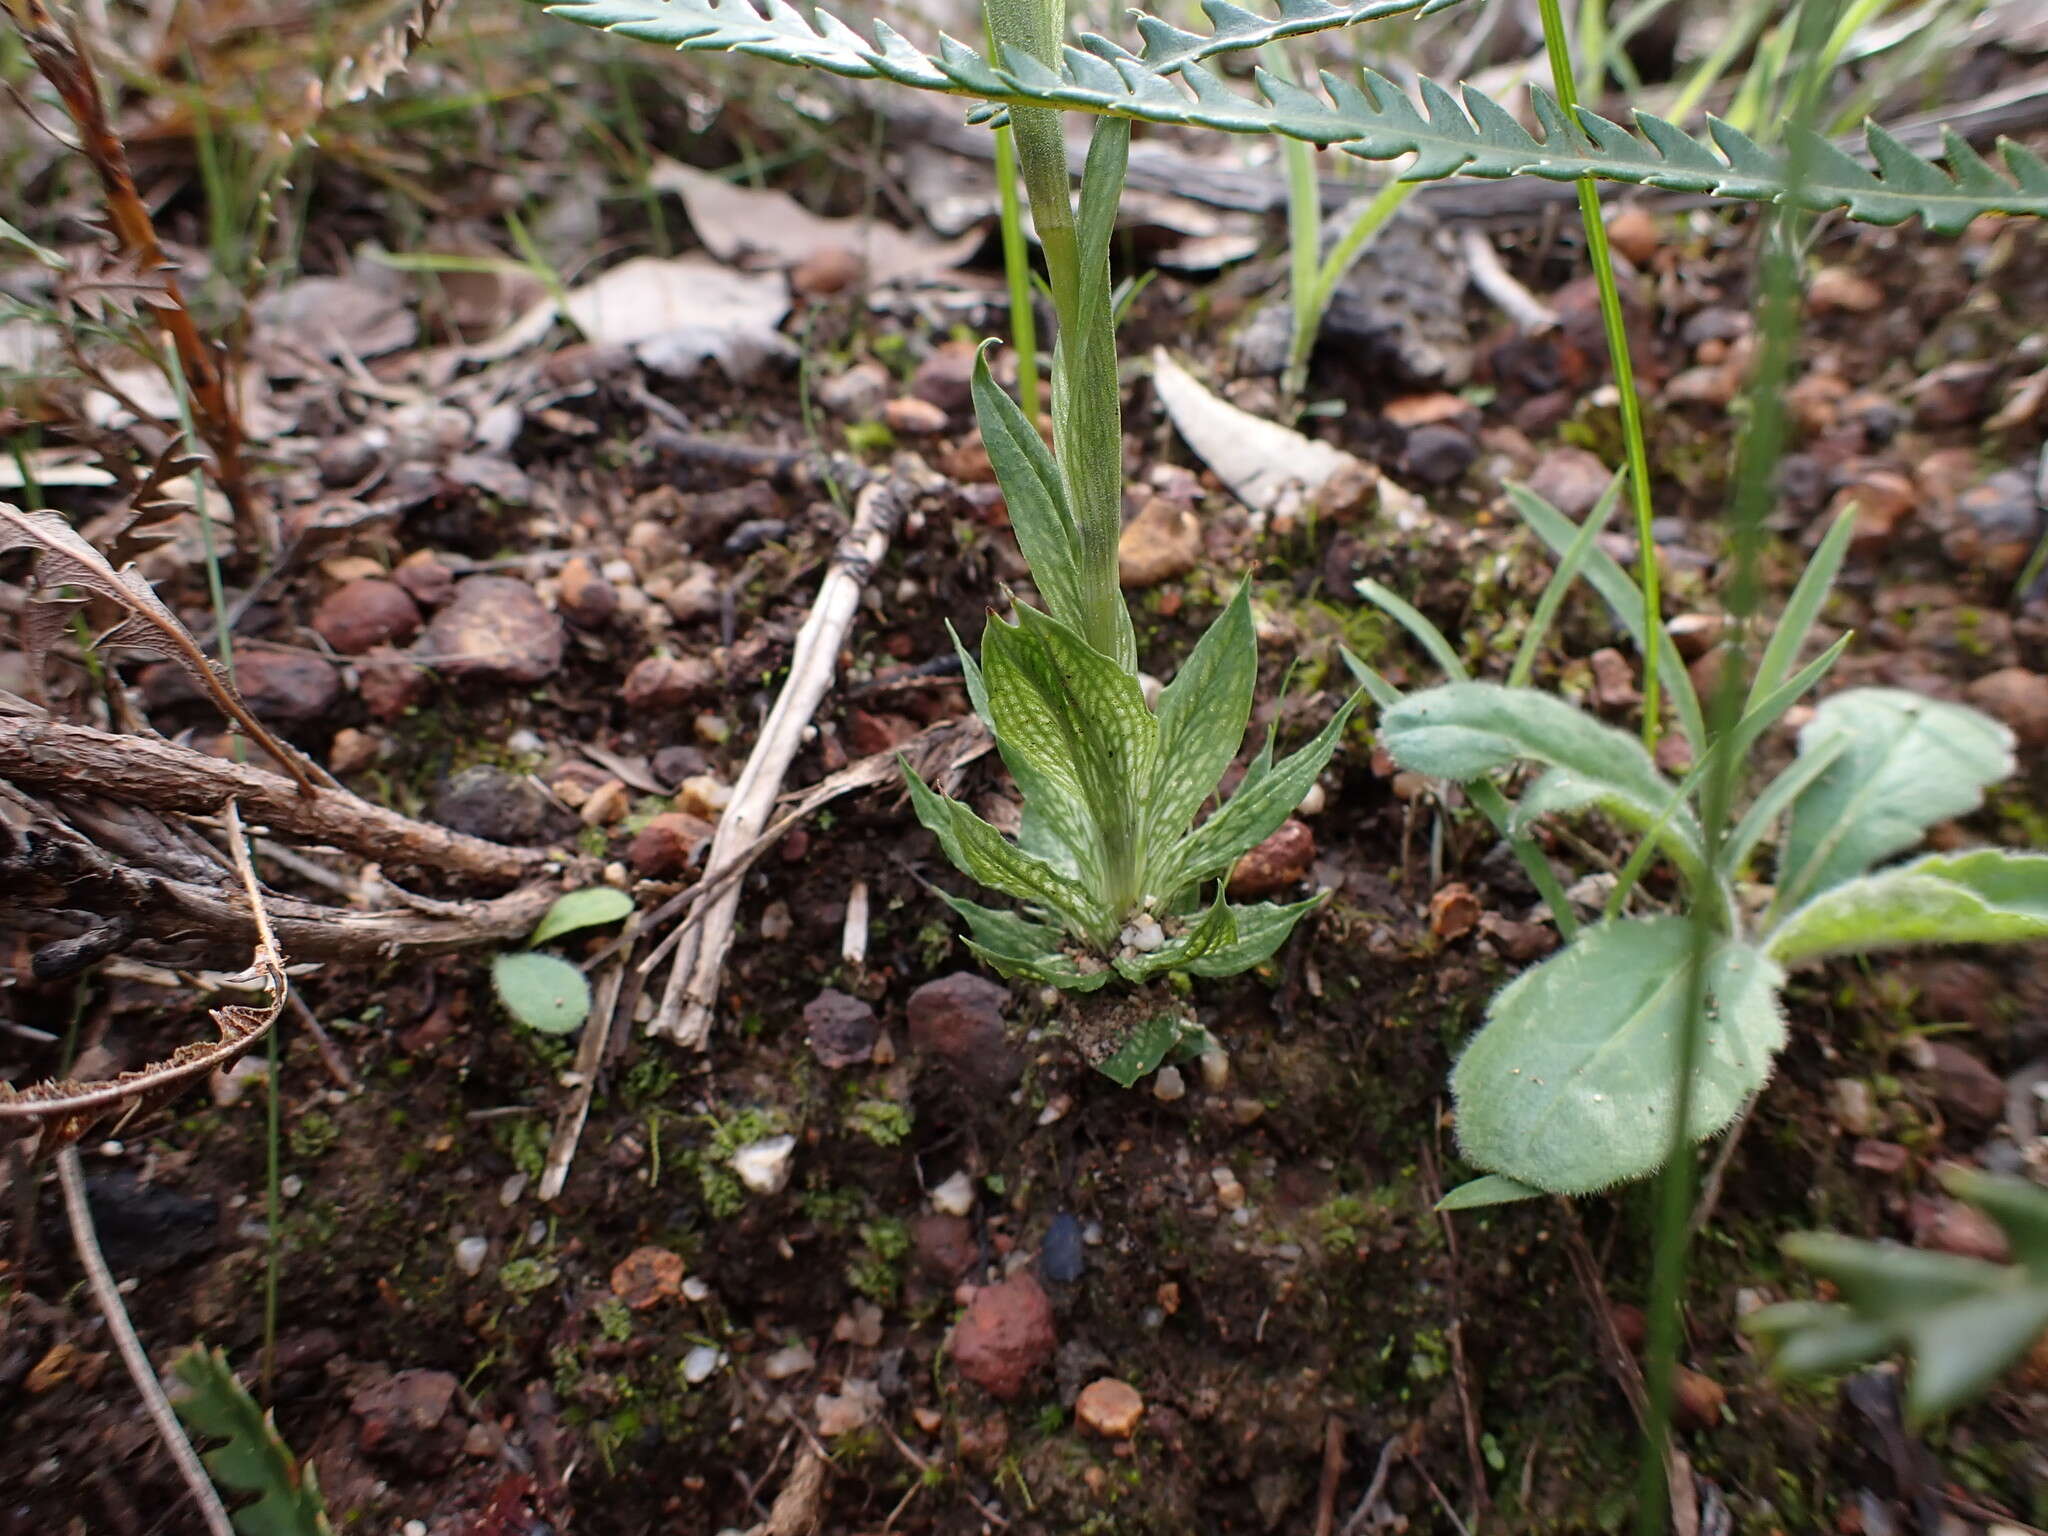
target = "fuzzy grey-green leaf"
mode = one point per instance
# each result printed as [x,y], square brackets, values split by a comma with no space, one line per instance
[1570,1084]
[1910,762]
[1989,896]
[543,992]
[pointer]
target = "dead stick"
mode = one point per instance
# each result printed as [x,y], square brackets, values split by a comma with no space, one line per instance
[686,1008]
[142,770]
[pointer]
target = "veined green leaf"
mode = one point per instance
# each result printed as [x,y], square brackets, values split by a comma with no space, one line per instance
[1988,896]
[1033,491]
[981,851]
[1020,948]
[1251,815]
[1570,1086]
[1371,117]
[1261,929]
[1464,731]
[1910,762]
[1202,717]
[1215,928]
[1155,1038]
[1077,718]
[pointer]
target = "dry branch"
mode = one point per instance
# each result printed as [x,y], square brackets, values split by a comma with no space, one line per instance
[685,1013]
[74,759]
[59,53]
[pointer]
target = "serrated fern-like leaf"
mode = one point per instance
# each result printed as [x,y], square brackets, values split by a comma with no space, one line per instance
[1450,134]
[253,1458]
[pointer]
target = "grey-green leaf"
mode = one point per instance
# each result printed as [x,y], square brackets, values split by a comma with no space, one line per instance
[1989,896]
[543,992]
[590,908]
[1489,1189]
[1569,1087]
[1910,762]
[1033,491]
[1467,730]
[980,850]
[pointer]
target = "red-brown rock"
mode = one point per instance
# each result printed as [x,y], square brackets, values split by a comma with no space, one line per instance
[1279,863]
[668,844]
[495,628]
[587,599]
[841,1029]
[669,682]
[390,684]
[365,613]
[2019,698]
[1006,1338]
[944,1245]
[959,1019]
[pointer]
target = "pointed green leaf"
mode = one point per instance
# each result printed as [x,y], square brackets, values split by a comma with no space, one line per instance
[1910,762]
[1569,1086]
[1033,491]
[1802,608]
[1815,1339]
[1988,896]
[979,850]
[1029,951]
[2017,1205]
[1958,1351]
[1202,717]
[252,1457]
[1151,1042]
[1890,1284]
[1418,624]
[1251,815]
[591,908]
[1562,576]
[1464,731]
[1490,1189]
[543,992]
[1261,929]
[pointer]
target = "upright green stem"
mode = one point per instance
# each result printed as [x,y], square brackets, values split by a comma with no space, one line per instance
[1017,269]
[1559,48]
[1304,247]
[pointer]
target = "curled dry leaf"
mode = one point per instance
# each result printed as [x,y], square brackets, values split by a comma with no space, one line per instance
[61,1111]
[65,558]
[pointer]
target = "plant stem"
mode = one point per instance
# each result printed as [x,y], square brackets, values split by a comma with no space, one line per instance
[1304,246]
[1017,269]
[1559,48]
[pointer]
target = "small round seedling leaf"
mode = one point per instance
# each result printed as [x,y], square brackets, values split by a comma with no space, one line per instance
[591,908]
[541,992]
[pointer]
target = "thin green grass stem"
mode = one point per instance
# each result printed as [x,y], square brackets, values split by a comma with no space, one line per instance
[1017,271]
[1616,327]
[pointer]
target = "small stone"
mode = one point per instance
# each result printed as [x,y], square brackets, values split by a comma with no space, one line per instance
[1060,1257]
[1633,230]
[426,577]
[1954,394]
[1279,863]
[495,628]
[695,595]
[841,1029]
[1949,1226]
[700,1362]
[389,684]
[1883,499]
[1695,633]
[954,1194]
[1961,1082]
[365,613]
[946,378]
[470,1254]
[790,1360]
[705,795]
[764,1166]
[1168,1086]
[1438,454]
[1886,1157]
[1215,1065]
[1614,679]
[944,1245]
[1006,1337]
[1997,524]
[587,599]
[647,1277]
[668,682]
[1409,412]
[711,729]
[914,417]
[1571,479]
[959,1019]
[403,1407]
[1229,1191]
[858,394]
[606,804]
[1838,290]
[1162,542]
[352,751]
[1854,1106]
[668,845]
[857,1404]
[1144,935]
[828,270]
[1710,384]
[345,460]
[1453,911]
[1697,1401]
[776,922]
[2019,698]
[288,687]
[502,807]
[1111,1408]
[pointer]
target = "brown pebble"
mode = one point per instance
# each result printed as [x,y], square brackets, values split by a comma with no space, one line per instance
[1112,1408]
[1632,230]
[828,270]
[366,613]
[1453,911]
[913,417]
[1280,862]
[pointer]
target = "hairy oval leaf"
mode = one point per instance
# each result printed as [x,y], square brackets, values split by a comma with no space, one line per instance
[1570,1086]
[542,992]
[1908,763]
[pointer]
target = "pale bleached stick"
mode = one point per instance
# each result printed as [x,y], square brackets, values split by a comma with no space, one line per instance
[1499,284]
[686,1008]
[597,1034]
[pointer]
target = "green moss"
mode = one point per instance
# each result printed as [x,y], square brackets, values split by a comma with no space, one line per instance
[877,1270]
[312,1135]
[615,1318]
[883,1121]
[524,1277]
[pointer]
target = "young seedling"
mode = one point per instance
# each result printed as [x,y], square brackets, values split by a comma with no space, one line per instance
[545,992]
[1568,1086]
